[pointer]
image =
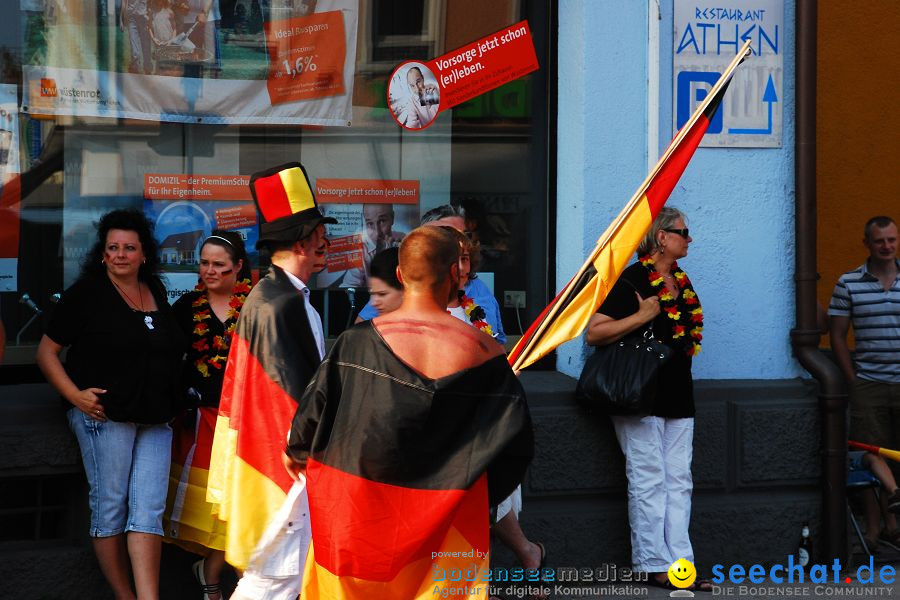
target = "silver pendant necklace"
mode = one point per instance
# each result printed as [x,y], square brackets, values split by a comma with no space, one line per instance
[148,320]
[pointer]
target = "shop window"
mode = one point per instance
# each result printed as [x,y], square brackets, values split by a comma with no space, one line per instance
[490,156]
[411,28]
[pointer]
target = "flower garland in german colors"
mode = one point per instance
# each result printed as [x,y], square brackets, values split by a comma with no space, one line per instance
[687,322]
[216,356]
[476,315]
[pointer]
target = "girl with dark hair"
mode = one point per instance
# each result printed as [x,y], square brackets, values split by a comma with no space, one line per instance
[207,316]
[385,290]
[124,347]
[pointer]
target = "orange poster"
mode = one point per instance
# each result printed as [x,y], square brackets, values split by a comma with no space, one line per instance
[418,91]
[345,253]
[10,189]
[368,191]
[10,201]
[306,57]
[161,186]
[236,217]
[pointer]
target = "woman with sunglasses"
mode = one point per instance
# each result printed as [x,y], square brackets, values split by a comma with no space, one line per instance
[658,446]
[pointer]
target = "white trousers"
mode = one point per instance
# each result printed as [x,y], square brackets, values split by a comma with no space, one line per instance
[276,567]
[658,456]
[512,503]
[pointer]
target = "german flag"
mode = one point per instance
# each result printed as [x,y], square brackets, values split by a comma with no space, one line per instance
[188,521]
[406,542]
[401,471]
[247,482]
[272,358]
[568,314]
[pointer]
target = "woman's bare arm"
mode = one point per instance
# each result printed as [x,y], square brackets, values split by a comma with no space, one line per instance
[85,400]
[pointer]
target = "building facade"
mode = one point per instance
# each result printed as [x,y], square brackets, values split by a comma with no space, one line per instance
[543,164]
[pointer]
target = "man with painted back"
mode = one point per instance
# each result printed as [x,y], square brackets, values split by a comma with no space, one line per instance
[413,424]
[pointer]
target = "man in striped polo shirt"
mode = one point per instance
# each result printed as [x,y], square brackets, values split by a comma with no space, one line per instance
[869,298]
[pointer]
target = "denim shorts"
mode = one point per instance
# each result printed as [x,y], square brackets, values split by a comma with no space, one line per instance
[127,468]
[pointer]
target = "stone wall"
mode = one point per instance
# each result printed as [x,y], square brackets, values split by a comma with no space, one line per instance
[756,474]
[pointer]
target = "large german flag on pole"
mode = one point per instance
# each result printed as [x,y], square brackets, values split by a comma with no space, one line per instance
[568,314]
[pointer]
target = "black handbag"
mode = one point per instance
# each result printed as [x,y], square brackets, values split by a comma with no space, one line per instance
[621,378]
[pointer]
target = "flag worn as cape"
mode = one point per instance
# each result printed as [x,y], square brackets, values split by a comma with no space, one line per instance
[568,314]
[188,521]
[273,356]
[400,469]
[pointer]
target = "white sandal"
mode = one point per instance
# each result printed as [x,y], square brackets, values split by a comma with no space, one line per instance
[215,588]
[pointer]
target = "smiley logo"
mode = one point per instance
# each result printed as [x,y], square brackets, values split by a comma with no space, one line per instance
[682,573]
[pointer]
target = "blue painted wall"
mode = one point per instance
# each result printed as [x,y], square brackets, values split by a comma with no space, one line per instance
[739,201]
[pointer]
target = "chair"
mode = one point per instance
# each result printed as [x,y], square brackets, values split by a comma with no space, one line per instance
[861,479]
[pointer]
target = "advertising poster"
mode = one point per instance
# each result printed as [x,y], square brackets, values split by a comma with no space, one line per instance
[10,189]
[372,215]
[418,91]
[707,35]
[187,61]
[185,209]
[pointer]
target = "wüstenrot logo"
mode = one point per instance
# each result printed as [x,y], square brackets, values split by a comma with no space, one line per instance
[48,87]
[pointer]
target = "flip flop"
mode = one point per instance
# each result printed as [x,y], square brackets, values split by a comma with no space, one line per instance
[541,569]
[208,590]
[699,585]
[664,583]
[543,555]
[890,538]
[872,546]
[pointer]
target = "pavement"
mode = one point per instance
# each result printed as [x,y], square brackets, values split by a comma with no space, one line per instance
[861,577]
[178,583]
[857,581]
[748,590]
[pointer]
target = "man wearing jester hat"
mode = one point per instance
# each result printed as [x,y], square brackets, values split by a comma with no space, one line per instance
[278,344]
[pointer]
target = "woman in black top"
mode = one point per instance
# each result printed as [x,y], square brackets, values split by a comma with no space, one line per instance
[658,447]
[124,353]
[207,317]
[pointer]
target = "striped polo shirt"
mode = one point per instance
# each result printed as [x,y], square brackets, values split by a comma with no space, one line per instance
[875,315]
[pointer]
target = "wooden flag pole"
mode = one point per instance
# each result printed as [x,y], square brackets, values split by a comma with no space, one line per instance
[617,223]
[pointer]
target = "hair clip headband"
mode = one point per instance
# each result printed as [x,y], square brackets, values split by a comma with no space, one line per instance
[219,237]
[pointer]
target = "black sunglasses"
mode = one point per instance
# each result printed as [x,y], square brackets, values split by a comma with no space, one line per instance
[682,232]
